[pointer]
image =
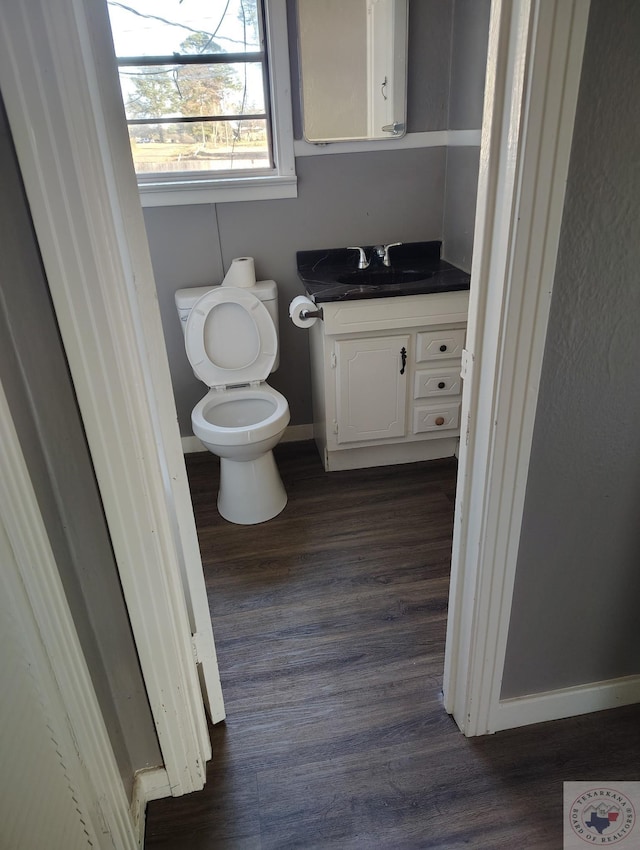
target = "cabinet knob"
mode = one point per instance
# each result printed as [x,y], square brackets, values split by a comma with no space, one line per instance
[441,385]
[443,348]
[440,420]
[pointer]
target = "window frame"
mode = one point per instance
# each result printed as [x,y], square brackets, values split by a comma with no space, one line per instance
[184,188]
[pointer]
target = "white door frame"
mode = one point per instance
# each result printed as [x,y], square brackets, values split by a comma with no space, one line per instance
[59,83]
[534,67]
[56,661]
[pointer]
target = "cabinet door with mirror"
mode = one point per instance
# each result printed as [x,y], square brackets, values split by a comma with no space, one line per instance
[353,69]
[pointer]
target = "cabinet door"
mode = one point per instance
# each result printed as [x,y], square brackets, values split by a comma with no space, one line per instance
[371,388]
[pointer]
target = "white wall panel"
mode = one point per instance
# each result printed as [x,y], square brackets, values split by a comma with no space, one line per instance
[40,801]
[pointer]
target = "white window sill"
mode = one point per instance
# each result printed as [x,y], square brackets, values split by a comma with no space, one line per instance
[187,192]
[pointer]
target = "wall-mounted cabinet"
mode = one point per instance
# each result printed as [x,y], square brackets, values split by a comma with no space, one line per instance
[386,379]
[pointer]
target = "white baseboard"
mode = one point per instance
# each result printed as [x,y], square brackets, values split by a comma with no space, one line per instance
[191,445]
[293,434]
[149,784]
[567,702]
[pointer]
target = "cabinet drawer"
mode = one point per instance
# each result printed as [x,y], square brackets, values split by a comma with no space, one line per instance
[437,382]
[435,418]
[439,345]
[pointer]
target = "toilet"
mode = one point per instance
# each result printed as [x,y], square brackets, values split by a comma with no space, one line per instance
[231,340]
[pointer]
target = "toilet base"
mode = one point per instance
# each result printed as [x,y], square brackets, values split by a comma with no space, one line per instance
[251,491]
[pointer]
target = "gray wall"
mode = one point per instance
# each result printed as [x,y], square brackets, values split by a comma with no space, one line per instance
[343,199]
[575,609]
[429,65]
[461,186]
[361,198]
[34,374]
[468,63]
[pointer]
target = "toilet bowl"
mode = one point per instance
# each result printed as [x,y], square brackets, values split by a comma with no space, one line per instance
[242,426]
[231,343]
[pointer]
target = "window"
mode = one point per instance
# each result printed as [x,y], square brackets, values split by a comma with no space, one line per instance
[201,100]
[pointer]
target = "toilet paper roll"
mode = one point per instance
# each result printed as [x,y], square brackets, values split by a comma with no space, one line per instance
[297,307]
[242,273]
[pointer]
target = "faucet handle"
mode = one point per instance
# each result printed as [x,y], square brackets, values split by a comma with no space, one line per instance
[363,263]
[386,260]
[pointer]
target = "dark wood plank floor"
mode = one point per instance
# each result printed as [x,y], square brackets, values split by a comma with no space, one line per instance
[330,625]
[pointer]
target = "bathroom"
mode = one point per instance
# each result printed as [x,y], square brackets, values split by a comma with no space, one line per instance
[416,188]
[422,189]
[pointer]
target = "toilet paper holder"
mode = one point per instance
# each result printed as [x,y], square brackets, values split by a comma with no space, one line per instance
[312,314]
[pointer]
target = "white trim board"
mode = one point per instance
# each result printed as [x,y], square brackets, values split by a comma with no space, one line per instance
[249,189]
[533,74]
[435,139]
[148,784]
[566,702]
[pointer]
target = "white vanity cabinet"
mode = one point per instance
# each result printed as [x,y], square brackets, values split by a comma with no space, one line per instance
[386,379]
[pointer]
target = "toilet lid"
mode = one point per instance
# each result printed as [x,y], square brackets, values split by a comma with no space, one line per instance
[230,338]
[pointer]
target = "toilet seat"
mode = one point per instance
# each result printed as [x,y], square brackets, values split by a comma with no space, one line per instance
[235,435]
[230,338]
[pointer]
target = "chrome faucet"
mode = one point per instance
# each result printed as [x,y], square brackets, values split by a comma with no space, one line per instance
[382,252]
[379,251]
[363,263]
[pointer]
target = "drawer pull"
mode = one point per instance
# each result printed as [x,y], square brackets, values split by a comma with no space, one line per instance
[443,348]
[440,420]
[441,385]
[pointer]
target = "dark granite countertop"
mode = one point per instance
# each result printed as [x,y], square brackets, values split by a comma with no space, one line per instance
[319,270]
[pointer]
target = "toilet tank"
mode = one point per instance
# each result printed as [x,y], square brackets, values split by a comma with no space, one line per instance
[265,290]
